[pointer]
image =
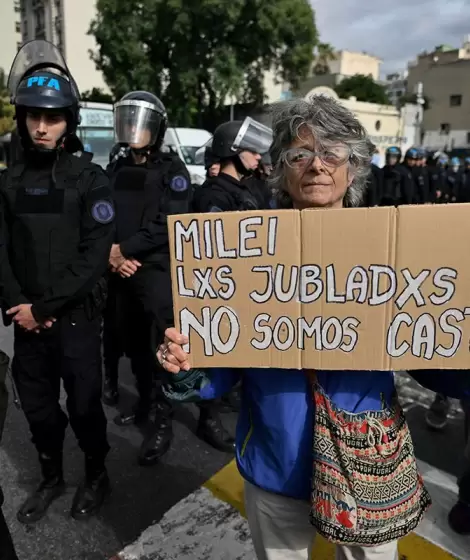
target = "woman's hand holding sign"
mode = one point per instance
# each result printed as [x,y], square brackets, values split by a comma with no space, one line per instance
[171,354]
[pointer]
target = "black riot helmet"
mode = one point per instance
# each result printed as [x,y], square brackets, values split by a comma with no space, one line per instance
[140,121]
[40,79]
[233,137]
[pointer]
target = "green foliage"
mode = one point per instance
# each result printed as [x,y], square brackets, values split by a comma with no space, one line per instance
[364,88]
[7,111]
[97,95]
[195,54]
[323,56]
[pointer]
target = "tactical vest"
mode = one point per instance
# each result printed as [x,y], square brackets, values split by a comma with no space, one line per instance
[43,223]
[391,185]
[243,199]
[141,192]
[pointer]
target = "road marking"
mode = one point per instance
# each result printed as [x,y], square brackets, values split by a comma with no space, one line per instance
[227,485]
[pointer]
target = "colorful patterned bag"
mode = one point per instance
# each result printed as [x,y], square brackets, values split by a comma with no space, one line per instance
[366,489]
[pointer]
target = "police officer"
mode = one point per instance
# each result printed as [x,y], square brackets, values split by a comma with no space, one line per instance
[57,221]
[408,194]
[391,177]
[211,163]
[422,179]
[146,182]
[455,180]
[239,145]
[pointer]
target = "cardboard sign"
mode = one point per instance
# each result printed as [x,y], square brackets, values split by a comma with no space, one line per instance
[362,288]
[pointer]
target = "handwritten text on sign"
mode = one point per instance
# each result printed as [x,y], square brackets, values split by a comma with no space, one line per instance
[321,289]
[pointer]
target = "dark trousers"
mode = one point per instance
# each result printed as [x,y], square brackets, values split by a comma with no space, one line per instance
[113,335]
[70,351]
[7,550]
[127,330]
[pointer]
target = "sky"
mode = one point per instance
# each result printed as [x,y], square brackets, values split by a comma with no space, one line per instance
[396,31]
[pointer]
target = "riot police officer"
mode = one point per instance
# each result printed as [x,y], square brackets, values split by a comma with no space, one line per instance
[421,178]
[391,178]
[146,182]
[239,146]
[455,180]
[57,219]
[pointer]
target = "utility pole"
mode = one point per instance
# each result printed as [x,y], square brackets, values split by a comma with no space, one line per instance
[420,114]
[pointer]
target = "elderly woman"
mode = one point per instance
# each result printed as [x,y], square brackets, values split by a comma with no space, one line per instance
[360,487]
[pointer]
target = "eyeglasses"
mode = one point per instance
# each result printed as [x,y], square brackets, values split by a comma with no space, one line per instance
[299,158]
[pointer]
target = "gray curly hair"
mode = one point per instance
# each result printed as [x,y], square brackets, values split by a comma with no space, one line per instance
[329,121]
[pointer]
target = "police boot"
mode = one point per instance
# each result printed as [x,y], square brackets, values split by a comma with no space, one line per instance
[211,430]
[51,487]
[158,442]
[110,388]
[92,492]
[139,414]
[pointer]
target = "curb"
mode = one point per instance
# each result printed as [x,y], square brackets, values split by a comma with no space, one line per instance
[226,488]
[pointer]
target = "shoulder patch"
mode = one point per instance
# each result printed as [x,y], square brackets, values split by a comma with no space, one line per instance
[215,209]
[102,212]
[179,183]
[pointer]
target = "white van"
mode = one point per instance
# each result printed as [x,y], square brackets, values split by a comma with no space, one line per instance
[96,130]
[185,142]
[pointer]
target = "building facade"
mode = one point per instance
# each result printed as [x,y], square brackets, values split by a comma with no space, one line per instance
[10,32]
[396,86]
[345,65]
[445,75]
[386,125]
[65,23]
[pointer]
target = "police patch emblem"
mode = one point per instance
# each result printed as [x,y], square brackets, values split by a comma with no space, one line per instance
[102,212]
[179,184]
[215,209]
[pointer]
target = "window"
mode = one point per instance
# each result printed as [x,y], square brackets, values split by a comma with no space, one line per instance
[455,100]
[445,128]
[468,137]
[18,27]
[378,124]
[19,45]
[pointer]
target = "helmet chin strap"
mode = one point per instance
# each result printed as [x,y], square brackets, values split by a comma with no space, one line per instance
[141,151]
[241,169]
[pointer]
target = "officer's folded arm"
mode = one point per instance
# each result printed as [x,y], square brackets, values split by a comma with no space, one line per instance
[152,237]
[80,276]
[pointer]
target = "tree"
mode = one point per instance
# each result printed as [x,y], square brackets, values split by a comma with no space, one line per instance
[363,88]
[97,95]
[7,111]
[323,56]
[413,98]
[195,54]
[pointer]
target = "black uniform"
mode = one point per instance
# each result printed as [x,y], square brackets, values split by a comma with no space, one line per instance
[392,181]
[59,238]
[375,187]
[422,186]
[56,227]
[407,185]
[225,194]
[141,194]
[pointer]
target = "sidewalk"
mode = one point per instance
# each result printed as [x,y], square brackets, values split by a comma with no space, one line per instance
[209,524]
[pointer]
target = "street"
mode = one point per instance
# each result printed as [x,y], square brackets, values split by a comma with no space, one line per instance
[141,496]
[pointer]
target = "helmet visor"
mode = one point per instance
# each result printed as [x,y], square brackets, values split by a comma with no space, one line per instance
[254,137]
[37,55]
[136,123]
[200,155]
